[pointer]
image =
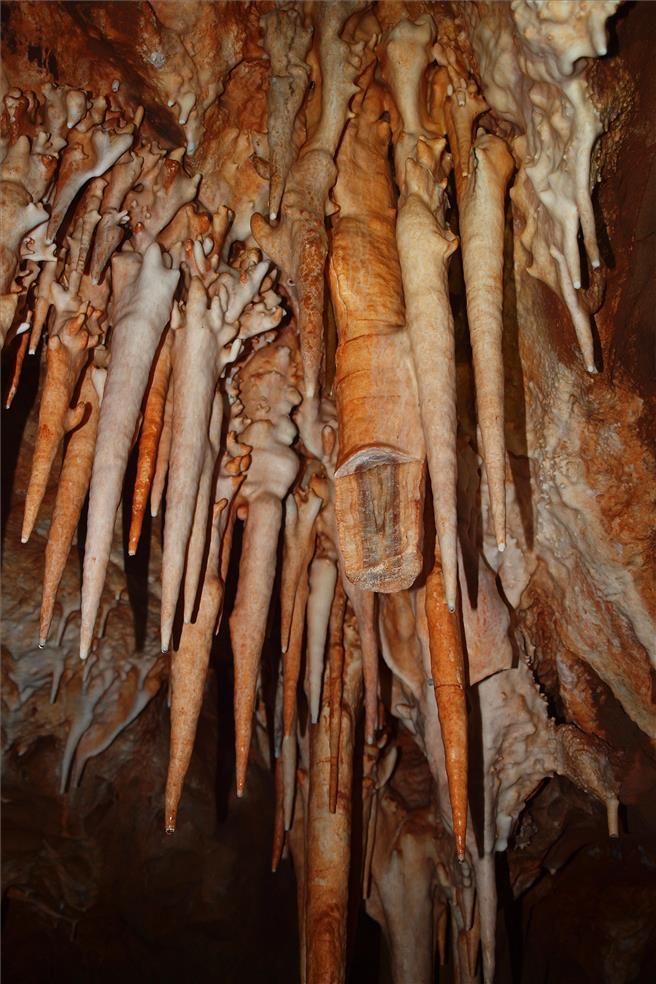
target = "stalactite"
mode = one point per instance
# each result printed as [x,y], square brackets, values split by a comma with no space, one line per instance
[143,292]
[286,41]
[329,833]
[448,665]
[67,352]
[267,395]
[379,476]
[298,244]
[189,667]
[182,292]
[72,489]
[151,433]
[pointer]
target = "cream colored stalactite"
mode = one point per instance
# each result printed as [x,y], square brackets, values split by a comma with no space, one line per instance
[189,666]
[311,540]
[242,287]
[286,41]
[199,357]
[268,395]
[301,510]
[191,478]
[190,660]
[362,601]
[425,246]
[323,578]
[143,295]
[481,208]
[249,616]
[323,575]
[482,170]
[532,61]
[198,535]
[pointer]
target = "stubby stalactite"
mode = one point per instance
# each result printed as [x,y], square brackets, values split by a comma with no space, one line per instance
[265,268]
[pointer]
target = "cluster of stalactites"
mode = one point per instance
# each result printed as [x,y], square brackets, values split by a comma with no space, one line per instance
[164,334]
[531,59]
